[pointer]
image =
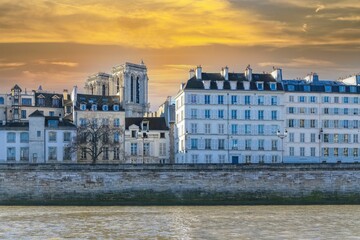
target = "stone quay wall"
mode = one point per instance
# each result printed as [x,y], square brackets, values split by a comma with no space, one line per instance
[82,184]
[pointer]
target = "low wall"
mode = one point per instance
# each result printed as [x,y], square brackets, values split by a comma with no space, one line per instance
[71,184]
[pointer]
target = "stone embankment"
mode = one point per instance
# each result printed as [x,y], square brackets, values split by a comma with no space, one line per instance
[71,184]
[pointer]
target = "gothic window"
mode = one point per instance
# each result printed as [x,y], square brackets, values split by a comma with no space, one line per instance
[103,90]
[137,90]
[132,89]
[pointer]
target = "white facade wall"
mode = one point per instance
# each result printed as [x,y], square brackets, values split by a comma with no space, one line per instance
[241,138]
[17,145]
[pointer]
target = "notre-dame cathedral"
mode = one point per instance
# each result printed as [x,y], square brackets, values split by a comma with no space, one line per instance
[129,81]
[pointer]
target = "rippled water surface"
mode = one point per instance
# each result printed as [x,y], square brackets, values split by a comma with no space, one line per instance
[216,222]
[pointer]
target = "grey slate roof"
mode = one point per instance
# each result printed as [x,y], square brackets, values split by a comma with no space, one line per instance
[48,99]
[15,126]
[319,86]
[37,113]
[155,123]
[99,100]
[62,123]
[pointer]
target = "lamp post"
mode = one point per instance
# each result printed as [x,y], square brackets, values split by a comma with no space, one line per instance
[185,145]
[143,136]
[321,131]
[282,136]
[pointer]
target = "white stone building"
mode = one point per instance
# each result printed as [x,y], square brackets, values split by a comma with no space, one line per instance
[147,140]
[39,140]
[229,118]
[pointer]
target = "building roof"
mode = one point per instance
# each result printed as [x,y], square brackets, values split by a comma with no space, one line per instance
[320,86]
[16,87]
[99,100]
[60,122]
[15,126]
[155,123]
[37,113]
[239,78]
[48,99]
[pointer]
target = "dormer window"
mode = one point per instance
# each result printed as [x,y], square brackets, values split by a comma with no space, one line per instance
[260,86]
[353,89]
[145,126]
[94,107]
[116,107]
[41,101]
[105,108]
[83,107]
[341,88]
[307,88]
[273,86]
[327,88]
[291,88]
[55,102]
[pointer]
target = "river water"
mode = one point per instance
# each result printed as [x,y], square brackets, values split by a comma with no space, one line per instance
[181,222]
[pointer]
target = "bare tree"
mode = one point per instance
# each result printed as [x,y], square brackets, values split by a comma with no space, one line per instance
[96,138]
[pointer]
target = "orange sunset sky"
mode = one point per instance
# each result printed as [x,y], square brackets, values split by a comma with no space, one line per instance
[57,44]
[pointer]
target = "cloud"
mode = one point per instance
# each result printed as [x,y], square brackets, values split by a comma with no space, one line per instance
[300,63]
[59,63]
[319,8]
[304,27]
[349,18]
[11,64]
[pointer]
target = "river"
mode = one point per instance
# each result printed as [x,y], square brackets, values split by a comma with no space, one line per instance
[181,222]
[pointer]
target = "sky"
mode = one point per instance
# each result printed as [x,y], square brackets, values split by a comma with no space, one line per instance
[58,43]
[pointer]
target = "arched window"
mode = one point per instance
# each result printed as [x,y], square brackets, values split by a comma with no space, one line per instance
[1,100]
[137,90]
[103,90]
[132,89]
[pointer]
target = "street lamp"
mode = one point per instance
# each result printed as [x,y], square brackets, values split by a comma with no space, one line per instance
[185,147]
[143,136]
[282,136]
[320,137]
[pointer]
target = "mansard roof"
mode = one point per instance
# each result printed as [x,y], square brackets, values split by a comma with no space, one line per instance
[99,100]
[15,126]
[320,86]
[48,99]
[37,113]
[155,123]
[16,87]
[240,78]
[61,123]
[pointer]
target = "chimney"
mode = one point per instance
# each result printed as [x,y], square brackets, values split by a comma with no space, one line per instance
[312,77]
[191,73]
[198,72]
[65,94]
[277,74]
[248,73]
[225,73]
[3,122]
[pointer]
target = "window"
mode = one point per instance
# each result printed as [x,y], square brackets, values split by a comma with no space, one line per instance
[307,88]
[346,152]
[325,152]
[291,98]
[146,150]
[51,113]
[23,113]
[247,114]
[1,100]
[291,88]
[52,153]
[355,138]
[341,88]
[105,122]
[326,99]
[247,129]
[272,86]
[260,100]
[356,100]
[336,138]
[261,144]
[313,110]
[355,152]
[208,158]
[194,128]
[116,107]
[302,123]
[220,99]
[291,123]
[83,153]
[336,111]
[312,137]
[11,137]
[133,149]
[291,137]
[346,123]
[291,151]
[162,135]
[83,107]
[312,151]
[194,158]
[261,114]
[221,114]
[326,110]
[116,122]
[260,86]
[193,113]
[274,115]
[248,159]
[327,88]
[336,152]
[326,137]
[261,129]
[233,99]
[302,151]
[24,137]
[94,107]
[116,137]
[234,129]
[346,111]
[302,137]
[247,100]
[312,99]
[345,100]
[207,128]
[38,133]
[273,100]
[274,145]
[116,153]
[192,98]
[221,143]
[207,99]
[233,114]
[291,110]
[105,108]
[67,153]
[301,99]
[194,143]
[301,110]
[105,153]
[52,136]
[221,158]
[207,113]
[234,144]
[24,154]
[10,156]
[221,128]
[346,138]
[356,111]
[55,102]
[41,102]
[207,143]
[247,144]
[53,123]
[312,123]
[274,158]
[336,99]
